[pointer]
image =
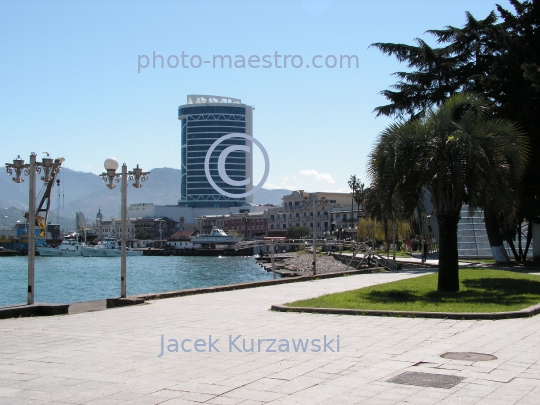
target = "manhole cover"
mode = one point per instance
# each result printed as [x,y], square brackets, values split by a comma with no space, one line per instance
[468,356]
[427,379]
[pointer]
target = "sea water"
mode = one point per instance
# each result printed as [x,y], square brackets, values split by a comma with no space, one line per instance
[76,279]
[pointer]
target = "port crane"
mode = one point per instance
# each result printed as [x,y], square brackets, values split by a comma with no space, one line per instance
[42,211]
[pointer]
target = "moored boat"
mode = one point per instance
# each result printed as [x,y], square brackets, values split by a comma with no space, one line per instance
[108,248]
[68,247]
[216,237]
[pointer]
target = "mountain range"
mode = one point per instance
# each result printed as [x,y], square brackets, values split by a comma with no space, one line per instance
[87,193]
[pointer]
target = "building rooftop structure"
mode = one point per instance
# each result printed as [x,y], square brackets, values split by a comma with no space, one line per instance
[206,99]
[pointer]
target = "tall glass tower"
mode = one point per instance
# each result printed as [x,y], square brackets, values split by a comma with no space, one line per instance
[205,119]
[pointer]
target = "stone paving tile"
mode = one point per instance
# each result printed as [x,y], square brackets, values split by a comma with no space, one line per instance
[16,401]
[298,384]
[111,357]
[225,400]
[179,401]
[247,393]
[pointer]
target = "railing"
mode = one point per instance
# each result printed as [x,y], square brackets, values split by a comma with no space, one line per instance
[366,254]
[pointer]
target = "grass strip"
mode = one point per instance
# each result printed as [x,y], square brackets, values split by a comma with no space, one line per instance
[481,290]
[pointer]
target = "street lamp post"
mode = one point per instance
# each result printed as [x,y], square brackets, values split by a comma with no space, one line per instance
[245,220]
[161,233]
[314,203]
[50,167]
[111,164]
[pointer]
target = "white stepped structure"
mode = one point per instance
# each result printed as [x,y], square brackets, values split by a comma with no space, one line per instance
[473,240]
[472,236]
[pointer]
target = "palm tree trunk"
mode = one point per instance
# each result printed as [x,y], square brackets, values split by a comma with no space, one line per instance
[514,251]
[448,253]
[519,242]
[494,236]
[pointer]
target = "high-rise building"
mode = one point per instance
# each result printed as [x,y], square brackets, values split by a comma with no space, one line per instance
[205,119]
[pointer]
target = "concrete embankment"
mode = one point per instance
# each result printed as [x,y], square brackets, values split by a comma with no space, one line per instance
[196,252]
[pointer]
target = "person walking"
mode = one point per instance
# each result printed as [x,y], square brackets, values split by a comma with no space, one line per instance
[424,251]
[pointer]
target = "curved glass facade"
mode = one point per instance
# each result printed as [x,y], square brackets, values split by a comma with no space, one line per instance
[202,125]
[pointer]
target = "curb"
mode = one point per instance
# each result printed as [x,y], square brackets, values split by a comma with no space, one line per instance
[33,310]
[123,302]
[524,313]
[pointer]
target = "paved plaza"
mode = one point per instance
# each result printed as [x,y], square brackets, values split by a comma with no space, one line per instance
[111,357]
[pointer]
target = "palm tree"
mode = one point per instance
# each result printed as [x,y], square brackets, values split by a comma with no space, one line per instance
[458,154]
[182,220]
[495,56]
[359,196]
[353,184]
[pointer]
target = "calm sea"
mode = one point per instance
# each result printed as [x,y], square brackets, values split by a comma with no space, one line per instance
[74,279]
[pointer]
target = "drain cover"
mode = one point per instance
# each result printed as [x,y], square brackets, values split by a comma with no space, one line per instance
[427,379]
[468,356]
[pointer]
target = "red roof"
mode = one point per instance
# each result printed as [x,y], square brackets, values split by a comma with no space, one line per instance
[182,235]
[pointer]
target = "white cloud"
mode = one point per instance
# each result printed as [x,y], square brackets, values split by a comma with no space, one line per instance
[286,182]
[318,176]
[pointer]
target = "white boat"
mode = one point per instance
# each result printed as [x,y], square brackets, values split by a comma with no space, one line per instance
[216,237]
[68,247]
[108,248]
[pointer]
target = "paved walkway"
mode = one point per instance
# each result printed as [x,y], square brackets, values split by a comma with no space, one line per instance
[111,357]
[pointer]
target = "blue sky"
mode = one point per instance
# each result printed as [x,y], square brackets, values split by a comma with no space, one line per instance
[70,84]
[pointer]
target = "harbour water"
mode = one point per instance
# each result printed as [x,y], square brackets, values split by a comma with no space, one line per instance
[75,279]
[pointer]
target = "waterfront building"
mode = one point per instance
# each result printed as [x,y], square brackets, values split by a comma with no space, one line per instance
[204,119]
[247,224]
[345,219]
[112,228]
[181,240]
[252,225]
[297,210]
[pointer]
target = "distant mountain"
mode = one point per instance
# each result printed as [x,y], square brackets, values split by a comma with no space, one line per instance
[265,196]
[86,192]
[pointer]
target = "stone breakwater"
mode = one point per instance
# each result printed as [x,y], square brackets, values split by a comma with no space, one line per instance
[302,263]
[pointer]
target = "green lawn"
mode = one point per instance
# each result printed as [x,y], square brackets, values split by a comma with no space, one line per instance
[481,290]
[399,253]
[485,261]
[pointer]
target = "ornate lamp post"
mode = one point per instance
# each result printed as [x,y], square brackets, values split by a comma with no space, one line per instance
[49,167]
[111,164]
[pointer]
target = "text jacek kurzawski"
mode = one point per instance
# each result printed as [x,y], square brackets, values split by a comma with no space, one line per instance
[239,344]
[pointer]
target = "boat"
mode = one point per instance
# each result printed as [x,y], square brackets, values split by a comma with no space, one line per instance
[108,247]
[216,237]
[68,247]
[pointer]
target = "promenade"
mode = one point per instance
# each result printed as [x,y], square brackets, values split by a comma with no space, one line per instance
[111,357]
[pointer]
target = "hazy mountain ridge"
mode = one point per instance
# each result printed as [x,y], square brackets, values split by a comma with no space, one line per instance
[86,192]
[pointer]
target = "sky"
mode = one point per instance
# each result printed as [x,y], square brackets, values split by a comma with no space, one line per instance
[73,80]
